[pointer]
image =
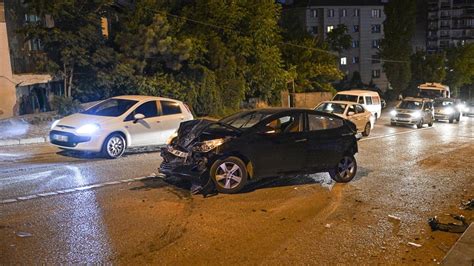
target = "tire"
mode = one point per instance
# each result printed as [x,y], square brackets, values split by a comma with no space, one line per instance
[393,123]
[458,118]
[420,124]
[366,131]
[430,124]
[345,170]
[451,120]
[229,175]
[114,146]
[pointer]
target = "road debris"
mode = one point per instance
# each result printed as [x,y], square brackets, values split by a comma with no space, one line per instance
[328,226]
[449,227]
[414,244]
[23,234]
[468,205]
[394,217]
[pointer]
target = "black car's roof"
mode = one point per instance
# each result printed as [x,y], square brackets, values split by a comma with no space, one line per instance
[277,110]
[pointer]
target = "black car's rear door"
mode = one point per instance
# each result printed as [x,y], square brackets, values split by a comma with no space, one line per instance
[325,142]
[280,147]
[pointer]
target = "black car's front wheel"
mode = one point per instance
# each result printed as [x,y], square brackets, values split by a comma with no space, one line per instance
[345,170]
[230,175]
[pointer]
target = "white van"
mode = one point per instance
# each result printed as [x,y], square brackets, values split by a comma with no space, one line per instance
[369,99]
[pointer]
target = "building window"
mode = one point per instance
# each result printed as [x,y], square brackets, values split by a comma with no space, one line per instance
[376,13]
[344,61]
[329,28]
[330,13]
[376,28]
[314,13]
[343,12]
[376,73]
[376,43]
[35,45]
[314,30]
[375,59]
[355,44]
[355,60]
[356,28]
[31,18]
[356,12]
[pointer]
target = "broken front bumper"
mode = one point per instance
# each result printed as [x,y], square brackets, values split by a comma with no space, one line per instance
[193,166]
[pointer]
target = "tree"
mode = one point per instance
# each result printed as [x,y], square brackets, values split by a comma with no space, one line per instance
[395,48]
[426,68]
[72,42]
[338,39]
[460,66]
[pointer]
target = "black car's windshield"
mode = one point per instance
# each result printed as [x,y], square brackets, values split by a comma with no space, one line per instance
[333,108]
[414,105]
[110,107]
[345,97]
[443,103]
[244,120]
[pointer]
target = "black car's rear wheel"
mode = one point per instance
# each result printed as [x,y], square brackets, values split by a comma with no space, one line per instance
[345,170]
[230,175]
[366,131]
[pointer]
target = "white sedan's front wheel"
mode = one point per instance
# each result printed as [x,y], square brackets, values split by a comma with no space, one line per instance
[114,146]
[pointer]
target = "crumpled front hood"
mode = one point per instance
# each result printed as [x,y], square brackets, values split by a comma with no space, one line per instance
[78,120]
[193,131]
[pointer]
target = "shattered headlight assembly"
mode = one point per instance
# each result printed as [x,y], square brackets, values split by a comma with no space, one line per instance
[208,145]
[88,129]
[172,137]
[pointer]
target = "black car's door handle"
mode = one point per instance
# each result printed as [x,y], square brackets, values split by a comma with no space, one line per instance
[300,140]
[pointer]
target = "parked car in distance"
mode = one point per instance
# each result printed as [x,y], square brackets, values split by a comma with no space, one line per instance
[356,113]
[447,109]
[413,111]
[383,103]
[118,123]
[468,109]
[369,99]
[262,143]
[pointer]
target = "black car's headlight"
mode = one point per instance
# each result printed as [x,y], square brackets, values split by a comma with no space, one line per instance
[208,145]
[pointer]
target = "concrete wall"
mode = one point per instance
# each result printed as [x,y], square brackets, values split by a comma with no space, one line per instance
[306,99]
[7,86]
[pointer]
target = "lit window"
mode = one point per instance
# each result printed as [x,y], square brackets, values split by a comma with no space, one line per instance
[330,28]
[356,12]
[343,61]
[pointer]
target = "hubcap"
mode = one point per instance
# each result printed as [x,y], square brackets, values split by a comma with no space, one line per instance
[115,146]
[346,167]
[228,175]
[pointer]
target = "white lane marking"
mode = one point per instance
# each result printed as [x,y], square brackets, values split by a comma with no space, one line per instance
[394,134]
[77,189]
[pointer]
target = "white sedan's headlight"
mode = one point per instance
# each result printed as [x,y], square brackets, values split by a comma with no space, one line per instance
[88,129]
[416,114]
[55,123]
[208,145]
[393,113]
[449,110]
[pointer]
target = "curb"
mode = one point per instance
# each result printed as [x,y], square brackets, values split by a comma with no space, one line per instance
[13,142]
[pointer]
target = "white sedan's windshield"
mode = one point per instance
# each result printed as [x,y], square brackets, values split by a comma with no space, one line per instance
[333,108]
[110,107]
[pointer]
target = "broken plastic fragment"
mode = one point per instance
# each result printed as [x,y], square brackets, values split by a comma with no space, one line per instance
[450,227]
[23,234]
[414,244]
[394,217]
[468,205]
[328,226]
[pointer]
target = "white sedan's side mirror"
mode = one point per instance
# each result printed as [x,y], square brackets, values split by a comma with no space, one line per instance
[350,113]
[138,117]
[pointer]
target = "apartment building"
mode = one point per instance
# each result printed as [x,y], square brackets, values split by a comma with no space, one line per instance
[364,21]
[450,23]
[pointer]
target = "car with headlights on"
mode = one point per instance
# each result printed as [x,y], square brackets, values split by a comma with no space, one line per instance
[468,109]
[413,111]
[118,123]
[261,143]
[356,113]
[447,109]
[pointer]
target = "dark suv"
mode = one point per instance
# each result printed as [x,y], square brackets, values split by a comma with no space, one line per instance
[413,111]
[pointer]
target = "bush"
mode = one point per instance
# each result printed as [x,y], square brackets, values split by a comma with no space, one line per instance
[66,106]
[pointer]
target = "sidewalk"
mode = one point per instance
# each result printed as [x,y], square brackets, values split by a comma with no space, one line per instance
[27,129]
[462,253]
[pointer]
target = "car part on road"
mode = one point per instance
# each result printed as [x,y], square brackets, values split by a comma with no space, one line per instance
[449,227]
[468,205]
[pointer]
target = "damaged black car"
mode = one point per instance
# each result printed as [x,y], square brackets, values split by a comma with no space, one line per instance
[261,143]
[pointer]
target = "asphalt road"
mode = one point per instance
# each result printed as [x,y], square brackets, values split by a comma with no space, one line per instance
[57,207]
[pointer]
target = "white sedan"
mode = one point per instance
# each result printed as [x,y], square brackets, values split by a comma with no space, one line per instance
[356,113]
[120,122]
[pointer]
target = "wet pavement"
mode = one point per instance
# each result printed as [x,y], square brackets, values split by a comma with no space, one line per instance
[58,207]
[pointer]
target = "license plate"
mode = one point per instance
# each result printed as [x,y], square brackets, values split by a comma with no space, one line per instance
[60,138]
[177,153]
